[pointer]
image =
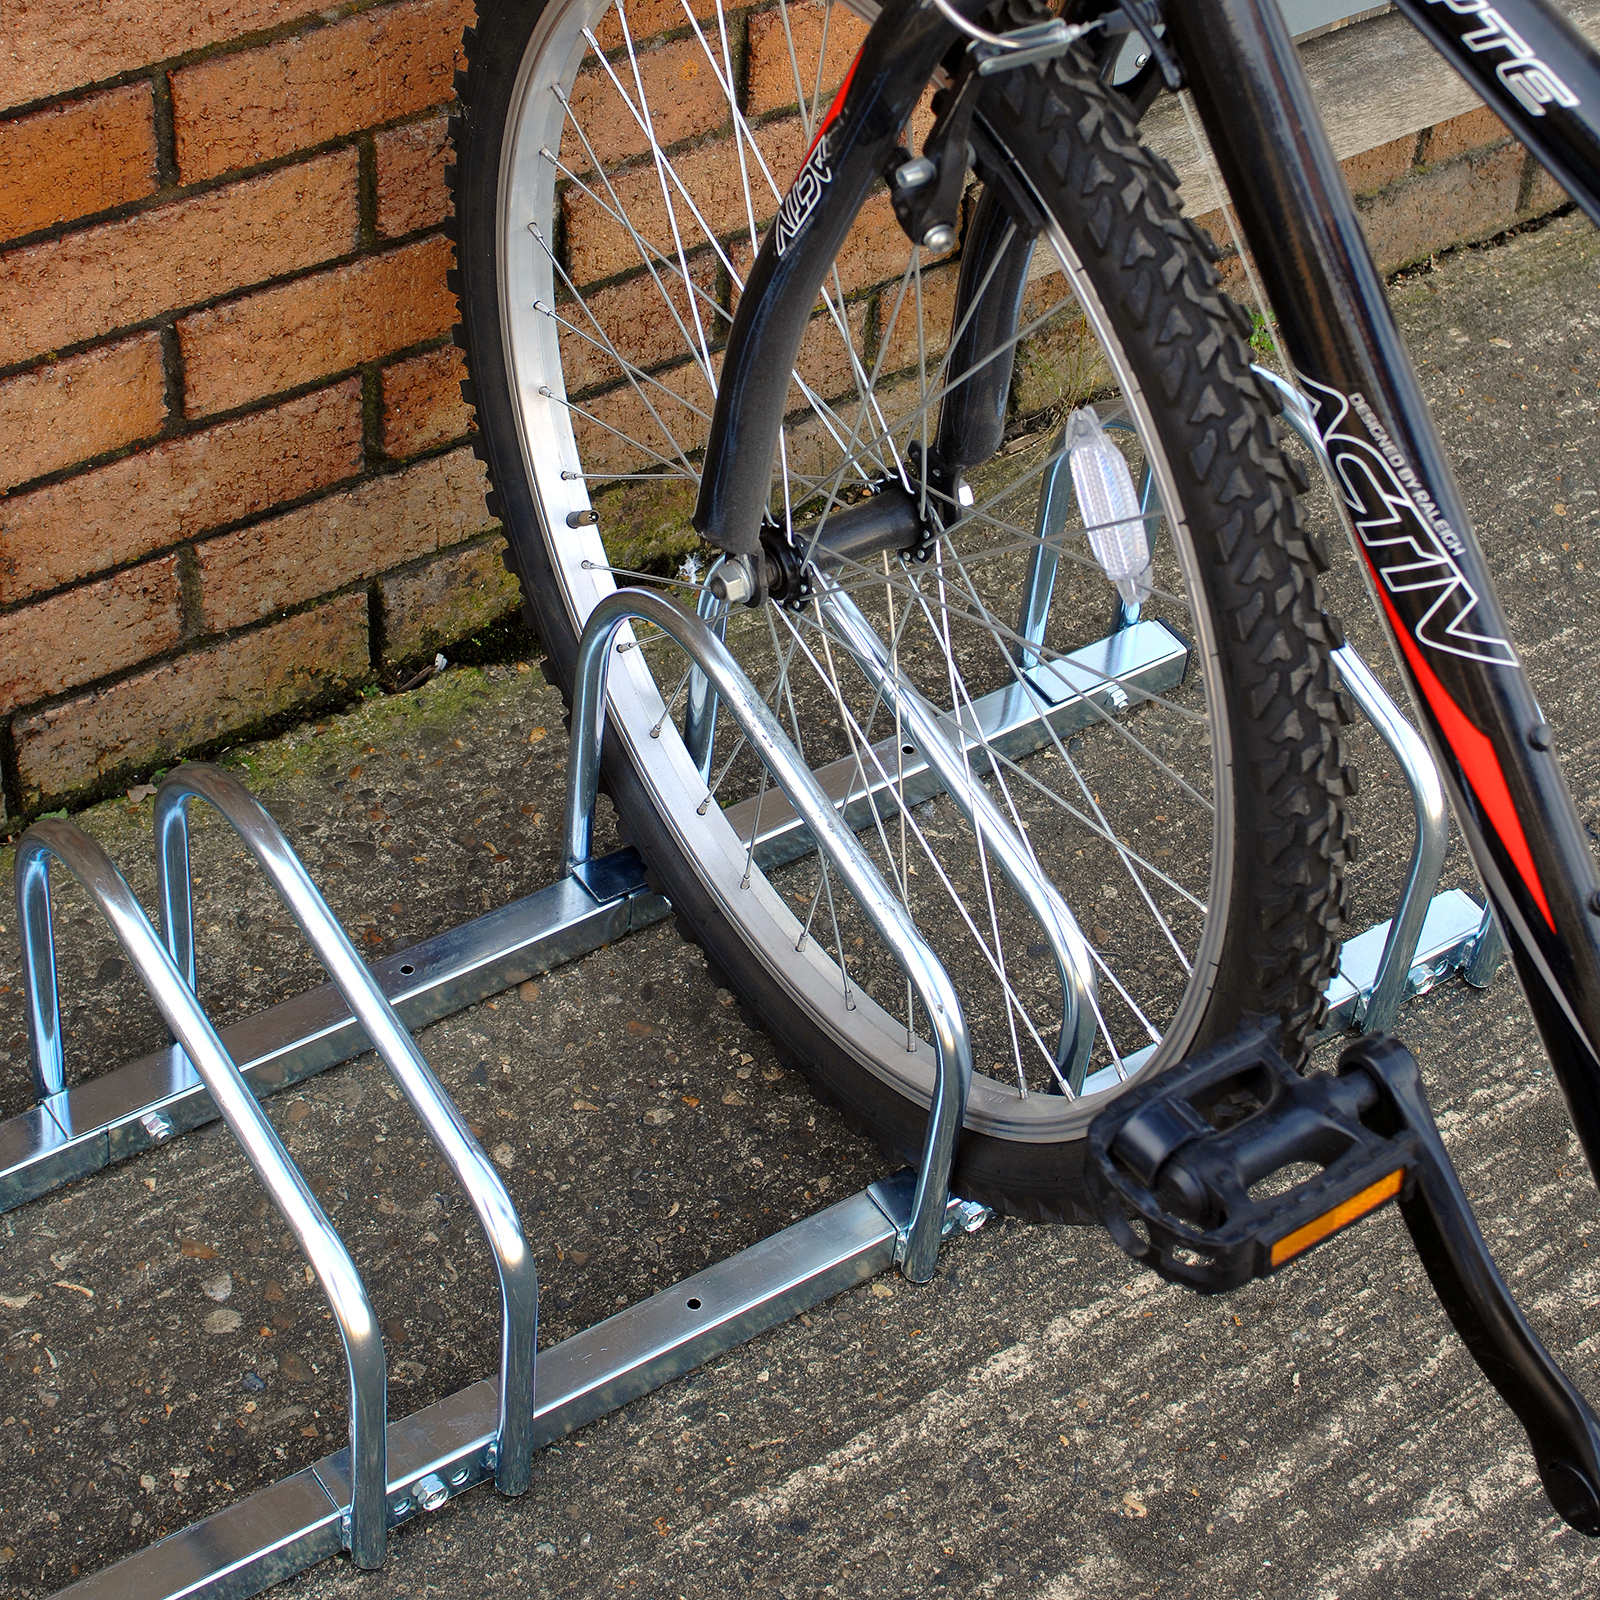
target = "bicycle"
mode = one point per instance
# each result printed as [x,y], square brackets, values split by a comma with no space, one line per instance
[916,531]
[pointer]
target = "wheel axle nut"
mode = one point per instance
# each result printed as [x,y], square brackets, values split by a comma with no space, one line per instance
[940,237]
[732,584]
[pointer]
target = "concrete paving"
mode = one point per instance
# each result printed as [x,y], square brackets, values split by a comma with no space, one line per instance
[1041,1420]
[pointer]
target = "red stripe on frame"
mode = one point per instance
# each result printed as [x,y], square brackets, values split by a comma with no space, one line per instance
[1478,762]
[838,103]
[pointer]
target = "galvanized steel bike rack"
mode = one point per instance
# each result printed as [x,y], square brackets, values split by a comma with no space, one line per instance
[350,1498]
[1430,935]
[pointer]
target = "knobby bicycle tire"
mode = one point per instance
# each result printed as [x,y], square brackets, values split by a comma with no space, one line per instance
[533,315]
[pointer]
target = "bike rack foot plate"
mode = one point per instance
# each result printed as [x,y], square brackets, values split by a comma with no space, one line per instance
[1451,923]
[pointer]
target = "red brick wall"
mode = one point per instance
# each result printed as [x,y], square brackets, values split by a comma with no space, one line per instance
[236,483]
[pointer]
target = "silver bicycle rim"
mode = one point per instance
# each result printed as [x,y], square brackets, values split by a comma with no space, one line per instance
[795,950]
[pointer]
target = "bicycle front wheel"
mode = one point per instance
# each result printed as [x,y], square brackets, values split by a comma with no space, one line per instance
[1169,770]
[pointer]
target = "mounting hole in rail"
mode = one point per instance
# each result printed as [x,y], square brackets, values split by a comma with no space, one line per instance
[407,969]
[694,1304]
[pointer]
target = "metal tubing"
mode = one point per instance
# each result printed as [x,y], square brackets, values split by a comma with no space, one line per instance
[83,857]
[952,1046]
[519,1283]
[1427,854]
[1074,962]
[40,981]
[700,706]
[1416,762]
[284,1529]
[1487,951]
[1297,413]
[124,1110]
[1055,500]
[1059,697]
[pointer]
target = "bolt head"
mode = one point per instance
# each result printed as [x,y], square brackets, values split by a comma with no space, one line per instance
[939,238]
[431,1492]
[1594,901]
[1541,736]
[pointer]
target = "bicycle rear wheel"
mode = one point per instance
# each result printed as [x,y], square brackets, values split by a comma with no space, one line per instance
[1178,782]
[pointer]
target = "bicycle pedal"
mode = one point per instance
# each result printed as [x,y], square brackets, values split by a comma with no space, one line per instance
[1205,1157]
[1182,1154]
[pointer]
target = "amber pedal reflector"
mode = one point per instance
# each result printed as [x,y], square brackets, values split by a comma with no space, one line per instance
[1358,1205]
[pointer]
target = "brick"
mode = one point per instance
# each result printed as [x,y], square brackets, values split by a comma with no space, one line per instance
[1447,205]
[938,314]
[88,633]
[772,81]
[50,47]
[81,407]
[236,110]
[248,575]
[679,87]
[411,187]
[181,488]
[74,160]
[1380,166]
[194,701]
[79,287]
[600,248]
[824,362]
[1544,194]
[646,18]
[635,317]
[297,332]
[1060,365]
[876,250]
[439,601]
[1470,131]
[422,404]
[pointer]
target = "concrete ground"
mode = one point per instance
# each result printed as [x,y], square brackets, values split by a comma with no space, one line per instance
[1041,1420]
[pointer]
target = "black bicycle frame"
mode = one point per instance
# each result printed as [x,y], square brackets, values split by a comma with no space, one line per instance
[1410,528]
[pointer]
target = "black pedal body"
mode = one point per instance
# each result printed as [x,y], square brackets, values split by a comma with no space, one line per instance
[1183,1153]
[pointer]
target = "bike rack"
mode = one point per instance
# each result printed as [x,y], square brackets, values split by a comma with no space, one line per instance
[392,1470]
[389,1473]
[917,1250]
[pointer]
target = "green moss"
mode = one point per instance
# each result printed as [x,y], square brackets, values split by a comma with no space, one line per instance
[646,526]
[426,716]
